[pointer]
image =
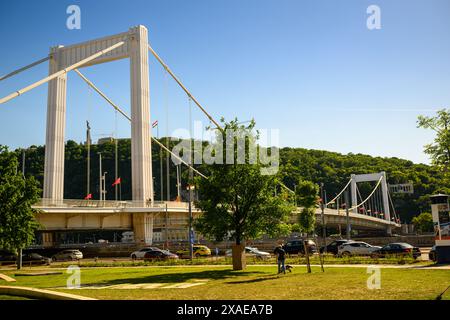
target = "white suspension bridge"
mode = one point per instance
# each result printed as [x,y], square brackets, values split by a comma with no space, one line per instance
[150,220]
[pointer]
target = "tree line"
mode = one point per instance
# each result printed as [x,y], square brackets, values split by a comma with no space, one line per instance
[330,168]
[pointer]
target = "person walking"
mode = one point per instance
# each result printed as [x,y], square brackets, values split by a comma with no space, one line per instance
[281,256]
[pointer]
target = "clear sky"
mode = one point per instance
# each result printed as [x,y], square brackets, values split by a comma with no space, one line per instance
[309,68]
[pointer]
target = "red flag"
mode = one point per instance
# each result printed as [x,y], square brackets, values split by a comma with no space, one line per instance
[116,182]
[154,124]
[89,196]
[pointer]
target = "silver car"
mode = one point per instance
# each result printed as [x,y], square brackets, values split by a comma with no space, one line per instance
[68,255]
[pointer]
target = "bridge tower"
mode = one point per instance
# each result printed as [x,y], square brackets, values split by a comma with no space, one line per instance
[135,48]
[355,178]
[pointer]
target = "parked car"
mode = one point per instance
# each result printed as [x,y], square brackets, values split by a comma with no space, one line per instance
[35,258]
[159,255]
[139,254]
[296,247]
[333,247]
[7,257]
[252,252]
[68,255]
[399,248]
[359,248]
[432,254]
[198,251]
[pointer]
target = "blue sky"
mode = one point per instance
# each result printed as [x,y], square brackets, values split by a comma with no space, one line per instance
[309,68]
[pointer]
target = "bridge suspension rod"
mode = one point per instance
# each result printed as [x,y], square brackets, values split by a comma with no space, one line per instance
[338,195]
[129,119]
[24,68]
[183,87]
[61,72]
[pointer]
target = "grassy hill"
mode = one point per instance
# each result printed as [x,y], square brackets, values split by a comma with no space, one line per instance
[331,168]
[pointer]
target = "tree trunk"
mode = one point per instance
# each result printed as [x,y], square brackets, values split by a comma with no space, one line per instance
[308,265]
[238,252]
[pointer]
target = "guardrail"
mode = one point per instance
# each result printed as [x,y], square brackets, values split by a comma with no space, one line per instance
[80,203]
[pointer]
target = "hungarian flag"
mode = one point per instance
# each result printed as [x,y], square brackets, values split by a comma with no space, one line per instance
[154,124]
[116,182]
[89,196]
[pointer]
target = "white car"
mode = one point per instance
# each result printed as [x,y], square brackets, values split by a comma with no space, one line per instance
[356,248]
[252,252]
[139,254]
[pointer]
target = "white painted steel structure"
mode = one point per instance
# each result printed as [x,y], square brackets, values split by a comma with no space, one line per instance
[135,47]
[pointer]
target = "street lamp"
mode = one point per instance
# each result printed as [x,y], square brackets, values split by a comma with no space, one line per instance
[191,236]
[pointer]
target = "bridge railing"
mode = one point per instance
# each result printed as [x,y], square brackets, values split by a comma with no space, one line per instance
[80,203]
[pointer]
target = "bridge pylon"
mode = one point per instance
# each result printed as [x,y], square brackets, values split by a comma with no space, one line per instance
[355,178]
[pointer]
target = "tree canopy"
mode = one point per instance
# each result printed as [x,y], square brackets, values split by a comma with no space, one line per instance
[17,194]
[318,166]
[237,200]
[439,150]
[306,193]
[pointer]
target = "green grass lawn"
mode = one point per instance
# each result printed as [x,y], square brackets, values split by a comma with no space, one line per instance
[256,282]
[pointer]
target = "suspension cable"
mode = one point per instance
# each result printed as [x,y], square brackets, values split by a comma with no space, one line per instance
[393,208]
[24,68]
[183,87]
[360,197]
[368,197]
[129,119]
[60,72]
[331,201]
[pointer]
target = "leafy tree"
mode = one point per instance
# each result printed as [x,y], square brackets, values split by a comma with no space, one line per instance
[423,222]
[17,194]
[439,150]
[237,200]
[307,198]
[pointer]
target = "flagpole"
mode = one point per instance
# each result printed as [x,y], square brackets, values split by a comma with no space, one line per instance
[116,164]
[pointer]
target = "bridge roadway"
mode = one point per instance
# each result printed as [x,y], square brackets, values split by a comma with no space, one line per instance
[153,221]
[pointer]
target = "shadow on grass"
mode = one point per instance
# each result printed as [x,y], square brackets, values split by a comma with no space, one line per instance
[253,280]
[182,277]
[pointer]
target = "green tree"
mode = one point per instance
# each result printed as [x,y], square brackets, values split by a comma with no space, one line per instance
[307,197]
[237,200]
[17,194]
[423,222]
[439,150]
[307,194]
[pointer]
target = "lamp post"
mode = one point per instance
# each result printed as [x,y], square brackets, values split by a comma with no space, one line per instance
[104,186]
[100,187]
[191,236]
[324,229]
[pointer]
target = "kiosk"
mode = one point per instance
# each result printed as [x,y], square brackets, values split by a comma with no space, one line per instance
[441,220]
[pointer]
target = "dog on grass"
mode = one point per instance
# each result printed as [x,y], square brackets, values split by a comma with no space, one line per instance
[289,267]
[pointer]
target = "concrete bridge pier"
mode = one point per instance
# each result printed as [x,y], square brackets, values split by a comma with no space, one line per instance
[143,228]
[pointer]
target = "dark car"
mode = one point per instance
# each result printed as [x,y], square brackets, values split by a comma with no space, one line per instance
[399,248]
[159,255]
[7,257]
[333,246]
[296,247]
[432,254]
[35,258]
